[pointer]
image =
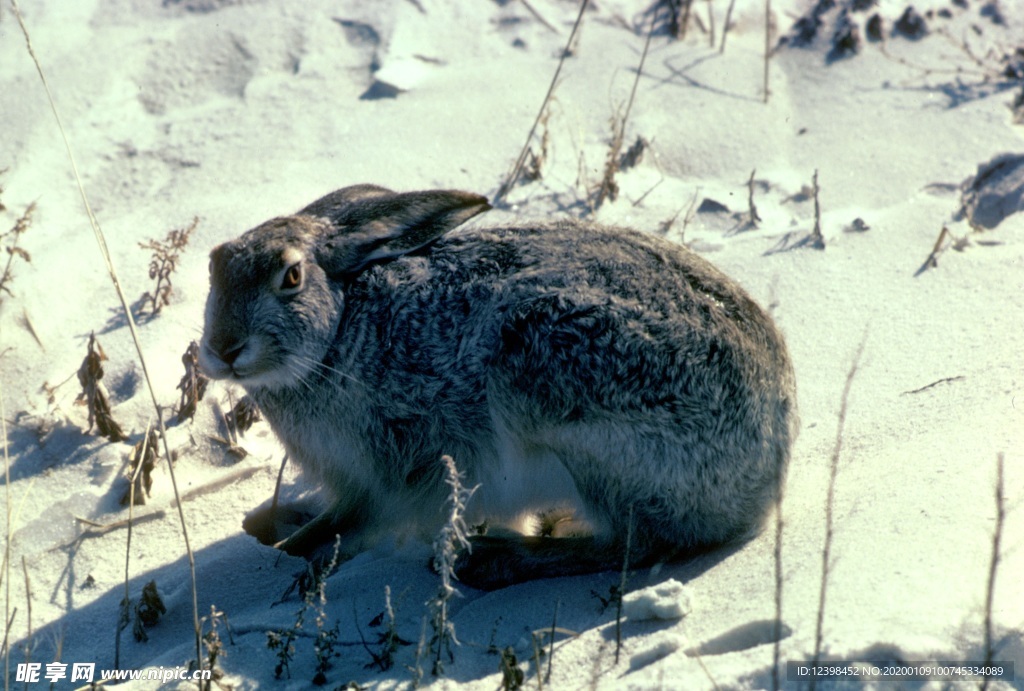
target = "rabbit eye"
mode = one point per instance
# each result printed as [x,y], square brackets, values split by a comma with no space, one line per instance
[292,277]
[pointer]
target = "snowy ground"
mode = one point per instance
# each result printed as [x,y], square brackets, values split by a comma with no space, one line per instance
[234,111]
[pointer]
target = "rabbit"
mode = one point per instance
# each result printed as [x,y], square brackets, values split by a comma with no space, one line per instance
[562,365]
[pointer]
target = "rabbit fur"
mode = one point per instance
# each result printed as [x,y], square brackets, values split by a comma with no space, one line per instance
[561,365]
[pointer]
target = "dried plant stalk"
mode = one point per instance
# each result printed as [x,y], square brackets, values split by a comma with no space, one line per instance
[192,385]
[162,264]
[94,394]
[447,544]
[140,470]
[10,240]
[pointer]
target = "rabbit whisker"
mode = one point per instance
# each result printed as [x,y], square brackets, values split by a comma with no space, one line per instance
[294,370]
[327,368]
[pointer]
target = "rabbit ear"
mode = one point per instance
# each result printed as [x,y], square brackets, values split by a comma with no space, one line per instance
[373,224]
[334,204]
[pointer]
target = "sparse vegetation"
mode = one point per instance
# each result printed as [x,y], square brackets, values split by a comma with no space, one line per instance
[239,416]
[112,272]
[163,263]
[282,641]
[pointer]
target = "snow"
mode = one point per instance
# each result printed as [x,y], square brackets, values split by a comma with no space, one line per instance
[234,111]
[668,600]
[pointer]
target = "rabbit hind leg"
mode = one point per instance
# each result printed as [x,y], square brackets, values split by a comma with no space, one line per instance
[494,562]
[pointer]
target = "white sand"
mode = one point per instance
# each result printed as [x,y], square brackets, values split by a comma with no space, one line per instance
[236,111]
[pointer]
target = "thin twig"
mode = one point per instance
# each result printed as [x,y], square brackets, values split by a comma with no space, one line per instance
[5,572]
[944,380]
[990,587]
[777,644]
[537,15]
[932,261]
[686,19]
[608,187]
[754,217]
[767,44]
[711,25]
[13,251]
[105,252]
[826,552]
[7,634]
[128,545]
[817,240]
[514,174]
[536,662]
[277,485]
[725,27]
[28,614]
[622,585]
[551,646]
[94,529]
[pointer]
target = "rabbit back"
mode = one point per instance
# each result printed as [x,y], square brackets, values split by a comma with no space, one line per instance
[570,363]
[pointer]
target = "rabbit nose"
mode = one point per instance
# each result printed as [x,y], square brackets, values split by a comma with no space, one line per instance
[230,353]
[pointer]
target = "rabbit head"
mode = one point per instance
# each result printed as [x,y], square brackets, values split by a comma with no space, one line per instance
[277,292]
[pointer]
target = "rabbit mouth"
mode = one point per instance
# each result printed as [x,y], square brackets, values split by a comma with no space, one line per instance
[247,364]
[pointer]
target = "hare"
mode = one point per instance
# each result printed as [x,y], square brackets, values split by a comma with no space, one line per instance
[562,365]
